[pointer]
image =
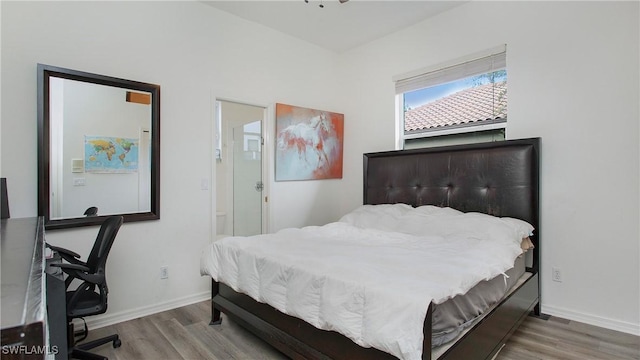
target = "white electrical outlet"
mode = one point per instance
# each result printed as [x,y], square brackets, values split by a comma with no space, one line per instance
[556,274]
[164,272]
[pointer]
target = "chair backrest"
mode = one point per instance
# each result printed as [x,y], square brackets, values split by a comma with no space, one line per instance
[97,259]
[84,300]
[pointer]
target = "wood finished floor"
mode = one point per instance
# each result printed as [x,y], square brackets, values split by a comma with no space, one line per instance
[184,333]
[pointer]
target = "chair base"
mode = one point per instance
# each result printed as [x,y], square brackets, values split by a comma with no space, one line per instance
[80,350]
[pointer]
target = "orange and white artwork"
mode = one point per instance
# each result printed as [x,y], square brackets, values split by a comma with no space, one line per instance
[308,143]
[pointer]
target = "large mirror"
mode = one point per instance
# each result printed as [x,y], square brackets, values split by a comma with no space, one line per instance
[99,148]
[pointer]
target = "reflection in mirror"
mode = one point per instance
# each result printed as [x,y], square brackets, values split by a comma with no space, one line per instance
[99,144]
[99,156]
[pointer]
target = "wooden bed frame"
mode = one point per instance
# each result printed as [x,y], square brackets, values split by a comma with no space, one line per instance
[498,178]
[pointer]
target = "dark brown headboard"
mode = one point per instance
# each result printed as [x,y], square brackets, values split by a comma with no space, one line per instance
[497,178]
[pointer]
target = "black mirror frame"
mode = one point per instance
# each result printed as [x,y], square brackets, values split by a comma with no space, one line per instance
[44,158]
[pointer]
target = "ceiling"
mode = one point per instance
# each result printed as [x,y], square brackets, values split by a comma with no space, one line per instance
[337,27]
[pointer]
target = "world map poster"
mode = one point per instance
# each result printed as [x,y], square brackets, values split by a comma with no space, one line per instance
[104,154]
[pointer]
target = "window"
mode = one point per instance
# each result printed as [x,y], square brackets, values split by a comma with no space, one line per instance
[462,101]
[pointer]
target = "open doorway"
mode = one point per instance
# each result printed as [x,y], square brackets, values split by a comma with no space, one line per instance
[240,192]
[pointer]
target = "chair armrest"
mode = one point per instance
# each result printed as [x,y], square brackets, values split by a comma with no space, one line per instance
[63,250]
[77,267]
[66,254]
[97,279]
[80,272]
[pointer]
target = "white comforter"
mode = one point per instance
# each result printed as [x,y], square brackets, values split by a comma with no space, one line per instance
[371,275]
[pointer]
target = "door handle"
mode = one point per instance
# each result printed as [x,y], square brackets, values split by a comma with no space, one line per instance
[259,186]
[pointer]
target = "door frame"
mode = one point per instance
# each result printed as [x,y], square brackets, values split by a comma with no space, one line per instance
[266,161]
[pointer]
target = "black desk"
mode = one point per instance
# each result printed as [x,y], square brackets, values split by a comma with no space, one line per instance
[26,332]
[56,307]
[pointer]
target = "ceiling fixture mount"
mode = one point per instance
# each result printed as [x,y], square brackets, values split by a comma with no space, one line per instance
[322,5]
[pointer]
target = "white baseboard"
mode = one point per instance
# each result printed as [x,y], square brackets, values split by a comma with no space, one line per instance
[617,325]
[107,319]
[114,318]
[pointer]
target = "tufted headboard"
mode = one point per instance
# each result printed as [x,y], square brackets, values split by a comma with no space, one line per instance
[497,178]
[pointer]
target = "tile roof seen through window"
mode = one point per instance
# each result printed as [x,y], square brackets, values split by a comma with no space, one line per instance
[472,105]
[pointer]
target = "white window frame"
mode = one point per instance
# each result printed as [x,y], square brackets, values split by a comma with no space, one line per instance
[475,64]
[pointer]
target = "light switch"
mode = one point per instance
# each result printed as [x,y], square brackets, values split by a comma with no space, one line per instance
[204,184]
[78,181]
[77,165]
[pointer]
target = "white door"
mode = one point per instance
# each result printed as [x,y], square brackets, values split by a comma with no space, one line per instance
[144,171]
[240,191]
[247,179]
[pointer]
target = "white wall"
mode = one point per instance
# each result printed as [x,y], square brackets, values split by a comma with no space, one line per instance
[195,53]
[574,81]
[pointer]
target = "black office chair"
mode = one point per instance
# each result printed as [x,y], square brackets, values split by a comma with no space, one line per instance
[92,211]
[90,297]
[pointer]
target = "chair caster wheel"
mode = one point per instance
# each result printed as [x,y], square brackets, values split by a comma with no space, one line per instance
[117,343]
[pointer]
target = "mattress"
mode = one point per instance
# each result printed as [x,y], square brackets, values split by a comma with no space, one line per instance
[346,278]
[453,316]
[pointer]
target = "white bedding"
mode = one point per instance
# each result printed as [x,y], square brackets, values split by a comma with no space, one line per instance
[346,276]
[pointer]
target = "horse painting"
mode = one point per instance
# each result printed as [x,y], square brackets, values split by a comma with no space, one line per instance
[307,136]
[309,143]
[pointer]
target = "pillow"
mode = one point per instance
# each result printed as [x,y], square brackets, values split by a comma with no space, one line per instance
[429,220]
[383,216]
[437,210]
[523,228]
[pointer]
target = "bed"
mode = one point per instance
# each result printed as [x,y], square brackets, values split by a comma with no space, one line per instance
[498,179]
